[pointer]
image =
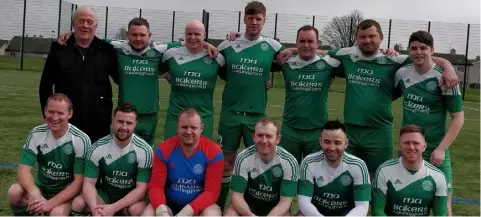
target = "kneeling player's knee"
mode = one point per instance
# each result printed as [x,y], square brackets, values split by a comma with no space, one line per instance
[79,204]
[148,210]
[212,210]
[15,193]
[230,211]
[299,214]
[61,210]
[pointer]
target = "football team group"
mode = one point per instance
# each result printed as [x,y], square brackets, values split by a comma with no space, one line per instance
[95,161]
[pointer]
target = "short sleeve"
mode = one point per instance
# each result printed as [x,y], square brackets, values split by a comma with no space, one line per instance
[401,59]
[144,162]
[306,179]
[92,162]
[333,53]
[291,175]
[220,60]
[29,151]
[362,186]
[452,99]
[81,147]
[241,170]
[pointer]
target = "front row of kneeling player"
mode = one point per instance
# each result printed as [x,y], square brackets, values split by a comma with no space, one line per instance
[183,175]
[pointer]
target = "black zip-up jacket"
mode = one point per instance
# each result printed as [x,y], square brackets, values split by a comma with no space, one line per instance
[82,75]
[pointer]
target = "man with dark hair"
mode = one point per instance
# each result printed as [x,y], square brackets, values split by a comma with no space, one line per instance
[307,78]
[333,182]
[369,77]
[138,63]
[117,170]
[248,63]
[81,70]
[409,185]
[265,176]
[59,149]
[426,104]
[187,172]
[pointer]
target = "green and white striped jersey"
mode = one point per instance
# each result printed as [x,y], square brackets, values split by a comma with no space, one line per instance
[193,79]
[119,169]
[263,184]
[58,159]
[426,103]
[400,192]
[334,190]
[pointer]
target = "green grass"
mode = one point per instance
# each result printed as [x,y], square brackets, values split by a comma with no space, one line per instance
[20,111]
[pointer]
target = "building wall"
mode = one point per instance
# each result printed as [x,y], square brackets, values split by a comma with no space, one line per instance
[2,49]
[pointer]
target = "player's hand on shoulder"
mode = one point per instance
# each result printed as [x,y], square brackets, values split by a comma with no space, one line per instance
[283,56]
[63,38]
[232,36]
[389,52]
[212,51]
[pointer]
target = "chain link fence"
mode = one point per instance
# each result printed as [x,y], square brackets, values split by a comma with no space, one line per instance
[28,28]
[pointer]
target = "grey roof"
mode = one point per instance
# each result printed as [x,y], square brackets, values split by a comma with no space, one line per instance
[32,45]
[3,42]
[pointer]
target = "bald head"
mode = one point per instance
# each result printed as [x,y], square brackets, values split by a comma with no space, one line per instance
[194,36]
[195,24]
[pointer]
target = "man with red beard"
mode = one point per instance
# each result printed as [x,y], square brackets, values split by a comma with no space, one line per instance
[59,149]
[187,172]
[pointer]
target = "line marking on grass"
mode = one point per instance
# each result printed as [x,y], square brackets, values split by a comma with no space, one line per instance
[471,108]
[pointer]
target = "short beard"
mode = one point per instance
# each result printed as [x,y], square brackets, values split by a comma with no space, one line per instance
[127,138]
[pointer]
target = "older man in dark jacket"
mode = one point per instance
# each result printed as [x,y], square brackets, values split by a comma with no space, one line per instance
[81,71]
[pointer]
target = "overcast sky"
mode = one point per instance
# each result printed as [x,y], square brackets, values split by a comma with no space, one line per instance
[449,17]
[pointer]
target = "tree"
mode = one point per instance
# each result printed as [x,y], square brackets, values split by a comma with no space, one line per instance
[121,34]
[341,31]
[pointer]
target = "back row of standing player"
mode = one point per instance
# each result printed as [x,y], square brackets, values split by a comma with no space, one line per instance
[245,62]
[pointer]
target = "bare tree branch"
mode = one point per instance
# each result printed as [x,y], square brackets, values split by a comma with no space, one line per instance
[121,34]
[341,31]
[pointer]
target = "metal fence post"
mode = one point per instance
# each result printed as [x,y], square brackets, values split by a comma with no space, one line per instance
[313,20]
[59,16]
[275,37]
[429,26]
[389,35]
[239,21]
[140,13]
[106,20]
[351,42]
[71,17]
[23,33]
[173,25]
[466,62]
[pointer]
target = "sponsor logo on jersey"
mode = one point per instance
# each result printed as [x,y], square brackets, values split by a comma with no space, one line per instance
[198,169]
[207,60]
[131,158]
[431,86]
[320,65]
[277,172]
[427,185]
[381,60]
[346,180]
[264,46]
[398,182]
[68,149]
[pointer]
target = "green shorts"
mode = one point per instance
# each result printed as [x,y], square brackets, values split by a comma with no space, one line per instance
[47,194]
[146,127]
[234,125]
[445,167]
[300,142]
[170,127]
[373,145]
[107,199]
